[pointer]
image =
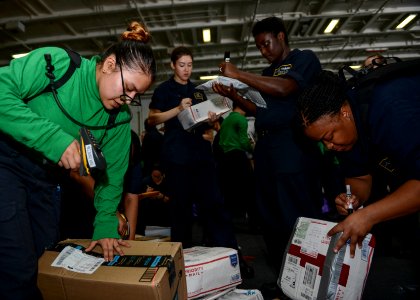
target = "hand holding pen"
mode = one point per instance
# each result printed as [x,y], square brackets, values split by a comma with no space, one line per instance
[226,68]
[226,59]
[347,202]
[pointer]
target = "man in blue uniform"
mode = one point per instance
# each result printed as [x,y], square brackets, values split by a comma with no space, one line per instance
[285,189]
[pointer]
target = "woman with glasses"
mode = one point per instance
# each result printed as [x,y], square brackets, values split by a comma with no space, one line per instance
[187,159]
[39,139]
[374,61]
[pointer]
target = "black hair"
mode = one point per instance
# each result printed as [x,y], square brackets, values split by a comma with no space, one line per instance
[133,52]
[157,167]
[324,97]
[272,25]
[178,52]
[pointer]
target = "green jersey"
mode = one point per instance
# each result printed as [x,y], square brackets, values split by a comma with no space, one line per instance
[234,133]
[40,125]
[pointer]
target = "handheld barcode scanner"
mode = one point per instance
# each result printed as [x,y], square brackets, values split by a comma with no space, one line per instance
[91,154]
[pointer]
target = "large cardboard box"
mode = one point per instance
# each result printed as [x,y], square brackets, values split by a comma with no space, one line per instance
[156,281]
[211,269]
[197,114]
[311,270]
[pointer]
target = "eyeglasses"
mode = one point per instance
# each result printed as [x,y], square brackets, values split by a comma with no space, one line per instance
[379,62]
[124,97]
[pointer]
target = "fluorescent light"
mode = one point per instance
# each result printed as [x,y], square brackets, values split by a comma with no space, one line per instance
[206,35]
[19,55]
[406,21]
[331,26]
[208,77]
[375,50]
[356,67]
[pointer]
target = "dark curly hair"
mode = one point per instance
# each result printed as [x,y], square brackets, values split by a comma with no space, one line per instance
[324,97]
[272,25]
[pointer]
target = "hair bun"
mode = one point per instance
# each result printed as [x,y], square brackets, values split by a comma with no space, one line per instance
[136,32]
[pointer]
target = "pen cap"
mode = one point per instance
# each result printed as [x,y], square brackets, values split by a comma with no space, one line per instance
[348,190]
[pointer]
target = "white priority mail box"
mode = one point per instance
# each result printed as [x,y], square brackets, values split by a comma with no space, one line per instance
[198,113]
[210,269]
[311,270]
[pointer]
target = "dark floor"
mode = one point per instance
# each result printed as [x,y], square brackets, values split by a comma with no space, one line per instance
[393,276]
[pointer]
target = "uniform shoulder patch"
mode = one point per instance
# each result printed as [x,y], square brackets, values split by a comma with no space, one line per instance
[283,69]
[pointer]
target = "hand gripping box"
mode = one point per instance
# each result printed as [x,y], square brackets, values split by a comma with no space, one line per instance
[311,270]
[197,114]
[210,269]
[149,270]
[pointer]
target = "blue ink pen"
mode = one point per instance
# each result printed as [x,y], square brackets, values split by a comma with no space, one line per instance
[348,196]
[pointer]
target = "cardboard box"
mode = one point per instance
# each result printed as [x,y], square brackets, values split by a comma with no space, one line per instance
[211,269]
[311,270]
[196,114]
[152,238]
[118,281]
[155,234]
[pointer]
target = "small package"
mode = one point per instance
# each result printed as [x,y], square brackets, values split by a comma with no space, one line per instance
[239,294]
[216,295]
[196,114]
[148,270]
[311,270]
[245,90]
[234,294]
[210,269]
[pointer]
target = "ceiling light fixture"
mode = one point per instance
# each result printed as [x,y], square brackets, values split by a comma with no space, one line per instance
[406,21]
[208,77]
[206,35]
[19,55]
[375,50]
[331,26]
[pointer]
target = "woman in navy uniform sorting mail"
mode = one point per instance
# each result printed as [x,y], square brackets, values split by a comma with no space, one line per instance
[188,160]
[283,184]
[385,136]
